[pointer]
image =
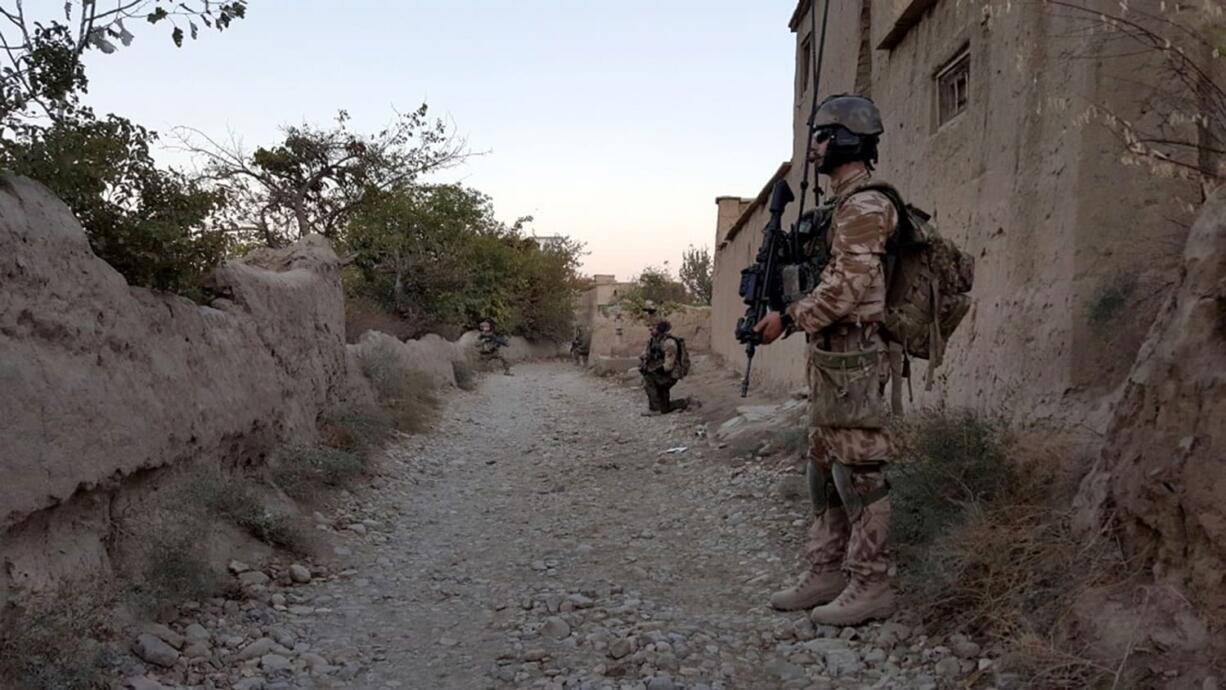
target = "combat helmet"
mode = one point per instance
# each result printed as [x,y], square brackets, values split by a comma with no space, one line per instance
[857,114]
[853,125]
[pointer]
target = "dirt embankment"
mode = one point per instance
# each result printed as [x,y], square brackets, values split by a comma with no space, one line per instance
[1163,469]
[107,386]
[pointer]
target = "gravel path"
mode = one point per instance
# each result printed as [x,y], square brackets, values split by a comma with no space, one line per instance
[542,537]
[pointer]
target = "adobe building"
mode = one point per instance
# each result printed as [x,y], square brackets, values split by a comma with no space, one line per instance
[983,104]
[620,336]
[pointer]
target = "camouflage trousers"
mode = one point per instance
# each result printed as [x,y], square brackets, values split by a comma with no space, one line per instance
[857,547]
[488,359]
[659,394]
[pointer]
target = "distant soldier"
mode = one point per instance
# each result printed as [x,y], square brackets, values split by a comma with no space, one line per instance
[581,345]
[650,314]
[847,573]
[488,344]
[663,363]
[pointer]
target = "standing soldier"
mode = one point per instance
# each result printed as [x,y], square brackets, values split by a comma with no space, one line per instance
[847,370]
[581,345]
[663,363]
[488,343]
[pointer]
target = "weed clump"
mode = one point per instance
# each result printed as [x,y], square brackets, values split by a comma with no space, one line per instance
[174,569]
[950,465]
[465,375]
[241,506]
[355,431]
[1110,302]
[301,470]
[986,547]
[50,642]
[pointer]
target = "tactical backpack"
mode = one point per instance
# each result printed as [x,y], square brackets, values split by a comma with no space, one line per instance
[682,368]
[928,278]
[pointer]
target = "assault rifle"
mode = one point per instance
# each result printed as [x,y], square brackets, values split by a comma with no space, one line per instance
[761,283]
[499,340]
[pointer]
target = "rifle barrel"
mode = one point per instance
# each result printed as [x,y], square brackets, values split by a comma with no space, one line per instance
[749,350]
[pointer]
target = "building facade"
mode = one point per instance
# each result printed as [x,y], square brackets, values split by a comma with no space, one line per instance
[985,108]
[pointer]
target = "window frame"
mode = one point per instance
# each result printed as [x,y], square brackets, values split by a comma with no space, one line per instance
[804,63]
[947,76]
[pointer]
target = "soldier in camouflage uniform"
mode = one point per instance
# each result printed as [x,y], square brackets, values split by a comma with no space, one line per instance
[581,345]
[659,366]
[847,372]
[488,344]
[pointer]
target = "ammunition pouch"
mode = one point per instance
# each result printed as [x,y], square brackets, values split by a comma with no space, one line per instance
[845,389]
[798,280]
[854,502]
[822,491]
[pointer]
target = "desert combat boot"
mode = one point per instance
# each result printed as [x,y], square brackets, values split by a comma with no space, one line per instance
[862,600]
[816,587]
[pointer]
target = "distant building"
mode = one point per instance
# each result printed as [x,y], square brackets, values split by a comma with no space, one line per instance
[981,103]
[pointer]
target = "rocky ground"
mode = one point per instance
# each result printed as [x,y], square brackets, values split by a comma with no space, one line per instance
[546,535]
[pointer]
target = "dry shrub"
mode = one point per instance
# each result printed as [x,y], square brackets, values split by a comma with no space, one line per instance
[407,395]
[355,430]
[362,315]
[173,567]
[50,642]
[1110,302]
[949,463]
[986,547]
[301,471]
[240,505]
[465,375]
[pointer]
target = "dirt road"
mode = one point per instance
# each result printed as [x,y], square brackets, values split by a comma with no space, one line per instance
[545,536]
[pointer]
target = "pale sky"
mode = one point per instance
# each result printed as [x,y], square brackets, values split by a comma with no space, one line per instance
[617,123]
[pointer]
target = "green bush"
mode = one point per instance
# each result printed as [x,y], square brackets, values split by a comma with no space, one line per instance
[436,256]
[149,223]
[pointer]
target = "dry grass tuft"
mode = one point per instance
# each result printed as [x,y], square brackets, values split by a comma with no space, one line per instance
[239,504]
[986,548]
[173,568]
[465,375]
[50,642]
[355,430]
[301,471]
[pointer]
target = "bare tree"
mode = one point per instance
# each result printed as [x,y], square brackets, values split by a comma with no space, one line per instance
[1184,130]
[315,178]
[41,60]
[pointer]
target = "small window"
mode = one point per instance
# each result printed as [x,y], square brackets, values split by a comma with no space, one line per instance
[803,66]
[953,87]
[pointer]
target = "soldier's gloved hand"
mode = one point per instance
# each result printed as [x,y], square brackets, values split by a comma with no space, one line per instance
[770,327]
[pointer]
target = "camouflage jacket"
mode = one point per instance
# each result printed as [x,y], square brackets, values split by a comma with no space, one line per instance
[852,287]
[660,355]
[488,343]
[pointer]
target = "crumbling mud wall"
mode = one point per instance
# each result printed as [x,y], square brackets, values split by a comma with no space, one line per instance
[1163,468]
[617,334]
[101,381]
